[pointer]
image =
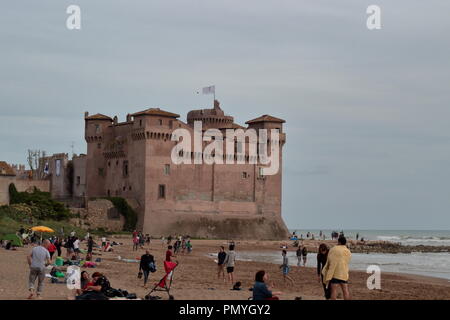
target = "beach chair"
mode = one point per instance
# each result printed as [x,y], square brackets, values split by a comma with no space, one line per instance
[166,282]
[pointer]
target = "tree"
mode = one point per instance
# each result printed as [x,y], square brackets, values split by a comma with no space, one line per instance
[35,160]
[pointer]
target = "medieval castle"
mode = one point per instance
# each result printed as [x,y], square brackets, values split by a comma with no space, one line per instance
[132,160]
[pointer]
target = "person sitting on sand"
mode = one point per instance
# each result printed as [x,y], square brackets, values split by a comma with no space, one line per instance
[260,289]
[321,261]
[97,290]
[335,273]
[285,267]
[85,281]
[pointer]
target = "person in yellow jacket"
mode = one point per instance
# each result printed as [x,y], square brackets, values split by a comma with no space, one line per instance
[335,271]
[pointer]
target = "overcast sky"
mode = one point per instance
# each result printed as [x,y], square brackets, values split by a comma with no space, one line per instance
[367,112]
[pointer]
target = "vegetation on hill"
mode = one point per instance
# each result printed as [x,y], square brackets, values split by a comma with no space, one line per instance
[28,209]
[126,211]
[40,205]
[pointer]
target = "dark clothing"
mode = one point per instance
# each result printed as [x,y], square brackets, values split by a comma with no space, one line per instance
[261,292]
[304,251]
[92,295]
[104,283]
[221,257]
[58,247]
[90,245]
[145,262]
[321,261]
[169,254]
[337,281]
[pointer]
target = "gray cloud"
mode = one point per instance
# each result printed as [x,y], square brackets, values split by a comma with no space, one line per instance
[367,111]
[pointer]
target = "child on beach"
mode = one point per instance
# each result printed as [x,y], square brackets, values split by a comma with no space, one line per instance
[220,263]
[230,261]
[299,256]
[285,267]
[304,255]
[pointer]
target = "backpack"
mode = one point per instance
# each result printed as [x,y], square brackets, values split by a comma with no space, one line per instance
[152,267]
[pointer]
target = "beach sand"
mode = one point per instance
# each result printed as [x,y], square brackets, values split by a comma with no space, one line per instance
[196,279]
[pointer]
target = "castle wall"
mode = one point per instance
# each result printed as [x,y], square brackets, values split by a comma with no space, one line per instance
[181,198]
[21,186]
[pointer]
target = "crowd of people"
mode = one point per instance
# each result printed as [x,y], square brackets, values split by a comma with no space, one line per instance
[332,265]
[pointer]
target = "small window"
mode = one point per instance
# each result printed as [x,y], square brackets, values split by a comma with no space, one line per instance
[162,191]
[97,128]
[167,169]
[140,123]
[244,175]
[129,188]
[78,180]
[117,162]
[125,168]
[124,188]
[160,122]
[109,163]
[99,145]
[261,172]
[109,193]
[101,172]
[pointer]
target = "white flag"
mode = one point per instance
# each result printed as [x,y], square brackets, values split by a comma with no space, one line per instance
[209,90]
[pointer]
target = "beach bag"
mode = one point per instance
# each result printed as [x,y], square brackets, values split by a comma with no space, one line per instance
[139,275]
[152,267]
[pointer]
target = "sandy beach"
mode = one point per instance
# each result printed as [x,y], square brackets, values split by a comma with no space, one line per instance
[196,279]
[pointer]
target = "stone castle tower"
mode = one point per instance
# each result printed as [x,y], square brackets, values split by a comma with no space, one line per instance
[132,159]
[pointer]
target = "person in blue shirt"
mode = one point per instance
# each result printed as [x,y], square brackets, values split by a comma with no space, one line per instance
[260,289]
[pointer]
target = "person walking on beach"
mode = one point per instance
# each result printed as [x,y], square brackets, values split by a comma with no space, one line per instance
[285,267]
[76,247]
[146,265]
[321,261]
[37,260]
[58,245]
[335,273]
[169,254]
[103,243]
[304,255]
[90,246]
[230,261]
[135,242]
[298,253]
[220,263]
[51,249]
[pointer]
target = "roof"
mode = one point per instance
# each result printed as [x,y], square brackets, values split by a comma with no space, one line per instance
[98,116]
[156,112]
[6,170]
[266,118]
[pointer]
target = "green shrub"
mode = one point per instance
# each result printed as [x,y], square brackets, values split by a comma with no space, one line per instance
[126,211]
[41,204]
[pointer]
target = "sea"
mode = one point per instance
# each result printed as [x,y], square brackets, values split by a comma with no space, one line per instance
[418,263]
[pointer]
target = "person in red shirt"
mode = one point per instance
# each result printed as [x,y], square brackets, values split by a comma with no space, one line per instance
[51,249]
[169,254]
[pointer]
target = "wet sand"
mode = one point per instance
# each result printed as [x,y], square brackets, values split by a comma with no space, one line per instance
[196,278]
